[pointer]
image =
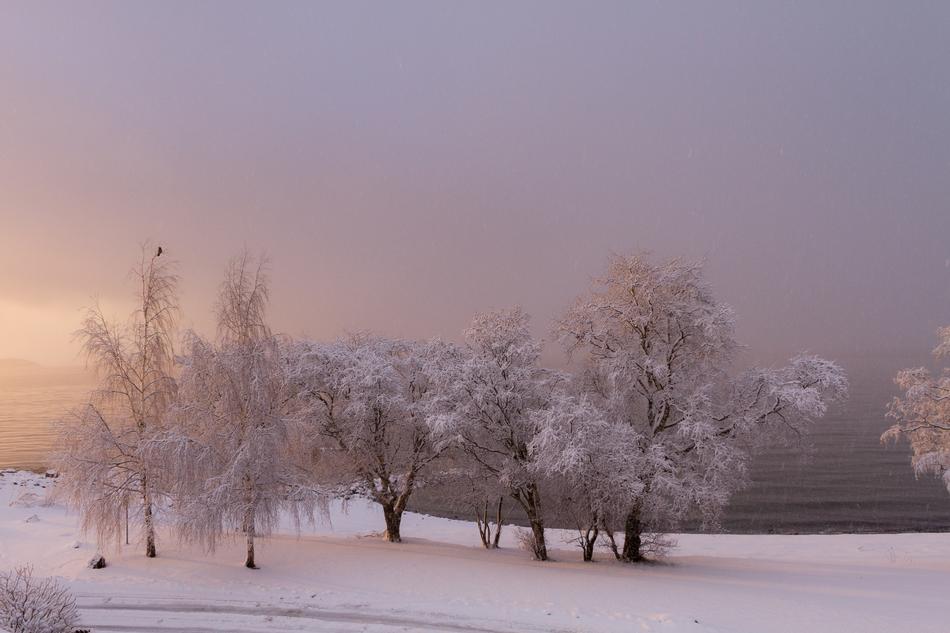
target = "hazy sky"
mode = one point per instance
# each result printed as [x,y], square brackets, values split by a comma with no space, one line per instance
[406,164]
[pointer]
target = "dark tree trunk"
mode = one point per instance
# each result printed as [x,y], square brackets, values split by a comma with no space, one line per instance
[250,520]
[149,521]
[529,497]
[588,541]
[393,521]
[633,537]
[612,542]
[501,501]
[489,540]
[249,531]
[249,559]
[484,527]
[537,530]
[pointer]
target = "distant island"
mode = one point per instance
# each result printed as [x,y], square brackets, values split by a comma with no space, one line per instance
[14,368]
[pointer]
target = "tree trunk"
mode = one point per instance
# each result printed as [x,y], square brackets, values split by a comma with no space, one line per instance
[537,530]
[249,531]
[494,544]
[529,497]
[393,520]
[612,543]
[484,528]
[250,516]
[249,559]
[489,540]
[588,542]
[148,520]
[633,537]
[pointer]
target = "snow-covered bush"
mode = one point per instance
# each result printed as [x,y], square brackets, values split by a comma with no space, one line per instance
[35,605]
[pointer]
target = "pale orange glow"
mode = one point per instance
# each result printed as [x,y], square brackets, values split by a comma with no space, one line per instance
[403,182]
[39,333]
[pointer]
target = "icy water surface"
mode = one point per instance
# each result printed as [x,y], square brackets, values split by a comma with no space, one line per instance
[849,482]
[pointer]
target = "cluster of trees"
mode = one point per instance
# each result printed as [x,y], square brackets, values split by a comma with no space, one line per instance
[234,433]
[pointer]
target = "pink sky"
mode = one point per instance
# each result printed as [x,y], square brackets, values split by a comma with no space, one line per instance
[406,165]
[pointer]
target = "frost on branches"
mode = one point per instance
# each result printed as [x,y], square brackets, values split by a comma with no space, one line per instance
[922,414]
[35,605]
[497,392]
[585,458]
[232,449]
[367,401]
[675,430]
[106,471]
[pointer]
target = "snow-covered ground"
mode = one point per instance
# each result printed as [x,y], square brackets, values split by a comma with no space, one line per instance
[339,576]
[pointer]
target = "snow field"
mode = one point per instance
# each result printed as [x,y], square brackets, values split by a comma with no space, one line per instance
[339,576]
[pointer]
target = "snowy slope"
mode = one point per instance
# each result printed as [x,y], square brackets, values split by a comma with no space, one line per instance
[339,577]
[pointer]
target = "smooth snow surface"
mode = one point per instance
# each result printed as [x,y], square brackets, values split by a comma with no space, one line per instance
[340,576]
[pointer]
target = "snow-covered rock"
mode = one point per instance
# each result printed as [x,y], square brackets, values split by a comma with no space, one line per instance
[27,499]
[97,562]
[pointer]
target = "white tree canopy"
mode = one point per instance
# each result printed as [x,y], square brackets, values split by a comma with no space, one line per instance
[233,450]
[922,413]
[657,348]
[367,401]
[497,390]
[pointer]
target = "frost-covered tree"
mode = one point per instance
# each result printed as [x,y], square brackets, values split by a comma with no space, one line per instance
[586,458]
[497,392]
[657,348]
[368,401]
[35,605]
[232,448]
[102,458]
[922,414]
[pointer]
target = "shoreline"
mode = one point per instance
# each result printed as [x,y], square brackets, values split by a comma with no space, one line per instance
[425,509]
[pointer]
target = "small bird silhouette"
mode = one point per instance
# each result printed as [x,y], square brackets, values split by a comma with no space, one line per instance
[159,253]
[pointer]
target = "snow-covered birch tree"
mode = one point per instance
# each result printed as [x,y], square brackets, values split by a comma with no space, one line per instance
[232,449]
[657,348]
[497,390]
[102,456]
[922,413]
[368,401]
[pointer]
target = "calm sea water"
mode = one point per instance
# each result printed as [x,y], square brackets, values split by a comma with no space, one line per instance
[847,482]
[31,398]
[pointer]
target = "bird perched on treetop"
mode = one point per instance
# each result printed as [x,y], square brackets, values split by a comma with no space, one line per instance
[159,253]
